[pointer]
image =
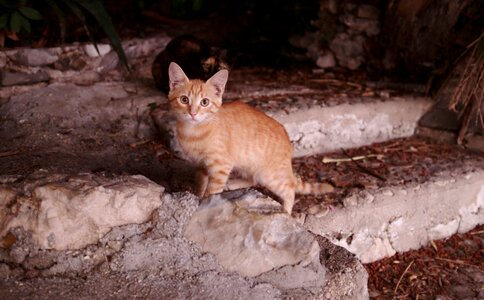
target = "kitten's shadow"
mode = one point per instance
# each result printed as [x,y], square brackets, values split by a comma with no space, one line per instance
[178,175]
[252,192]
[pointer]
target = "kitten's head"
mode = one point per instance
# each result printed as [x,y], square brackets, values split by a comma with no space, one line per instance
[195,101]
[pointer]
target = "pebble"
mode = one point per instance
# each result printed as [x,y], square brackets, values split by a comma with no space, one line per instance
[350,201]
[326,60]
[92,52]
[384,94]
[387,193]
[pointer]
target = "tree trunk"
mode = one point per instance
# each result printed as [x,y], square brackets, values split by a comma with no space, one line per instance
[418,34]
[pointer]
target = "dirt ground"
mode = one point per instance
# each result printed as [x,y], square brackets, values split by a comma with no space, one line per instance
[446,269]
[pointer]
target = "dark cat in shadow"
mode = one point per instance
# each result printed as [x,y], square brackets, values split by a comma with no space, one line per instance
[195,57]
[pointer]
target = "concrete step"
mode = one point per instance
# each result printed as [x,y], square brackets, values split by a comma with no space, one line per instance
[319,129]
[415,191]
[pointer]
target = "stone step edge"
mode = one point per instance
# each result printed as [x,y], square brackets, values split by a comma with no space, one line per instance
[378,224]
[329,128]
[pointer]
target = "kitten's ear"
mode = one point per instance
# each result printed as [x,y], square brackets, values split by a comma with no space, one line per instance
[176,75]
[218,81]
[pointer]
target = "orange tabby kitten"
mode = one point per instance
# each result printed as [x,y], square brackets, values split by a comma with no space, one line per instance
[233,136]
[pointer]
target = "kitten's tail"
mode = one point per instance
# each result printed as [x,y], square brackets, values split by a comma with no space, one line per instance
[304,188]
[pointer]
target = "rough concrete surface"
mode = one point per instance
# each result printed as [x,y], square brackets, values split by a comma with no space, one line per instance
[153,259]
[103,108]
[325,129]
[397,219]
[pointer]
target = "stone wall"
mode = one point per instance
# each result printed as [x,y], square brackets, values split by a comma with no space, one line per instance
[344,34]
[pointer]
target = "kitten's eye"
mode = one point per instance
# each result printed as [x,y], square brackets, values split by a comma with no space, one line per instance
[184,100]
[205,102]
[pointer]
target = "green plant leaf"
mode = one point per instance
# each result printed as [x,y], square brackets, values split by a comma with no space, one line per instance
[96,8]
[15,21]
[3,21]
[197,5]
[30,13]
[24,23]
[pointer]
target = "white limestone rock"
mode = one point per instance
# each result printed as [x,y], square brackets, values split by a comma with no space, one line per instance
[72,212]
[250,234]
[326,60]
[91,51]
[349,50]
[36,57]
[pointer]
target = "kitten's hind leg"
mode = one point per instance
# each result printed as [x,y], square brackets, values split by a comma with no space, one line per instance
[288,196]
[284,188]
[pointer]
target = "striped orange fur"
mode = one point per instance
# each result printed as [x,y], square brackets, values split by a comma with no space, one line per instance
[233,136]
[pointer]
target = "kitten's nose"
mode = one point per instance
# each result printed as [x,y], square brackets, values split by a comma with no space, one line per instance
[193,114]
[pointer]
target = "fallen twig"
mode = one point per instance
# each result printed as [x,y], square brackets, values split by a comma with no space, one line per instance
[456,261]
[9,153]
[401,277]
[337,82]
[364,169]
[327,160]
[140,143]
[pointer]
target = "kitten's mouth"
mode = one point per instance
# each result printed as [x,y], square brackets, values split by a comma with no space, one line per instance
[193,119]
